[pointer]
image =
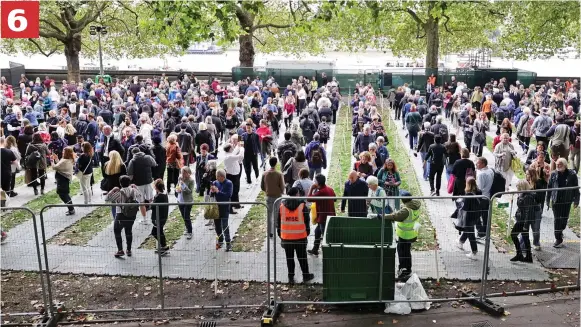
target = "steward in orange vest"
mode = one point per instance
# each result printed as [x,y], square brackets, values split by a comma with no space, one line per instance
[293,227]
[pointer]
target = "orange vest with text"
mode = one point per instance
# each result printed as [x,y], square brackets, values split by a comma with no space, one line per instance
[292,223]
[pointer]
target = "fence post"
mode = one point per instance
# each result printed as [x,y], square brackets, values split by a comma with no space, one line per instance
[48,285]
[158,228]
[381,250]
[486,250]
[40,272]
[268,258]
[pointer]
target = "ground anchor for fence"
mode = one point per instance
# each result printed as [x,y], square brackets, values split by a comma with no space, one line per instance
[271,314]
[485,305]
[53,321]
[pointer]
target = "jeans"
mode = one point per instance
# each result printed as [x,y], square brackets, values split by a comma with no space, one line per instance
[222,230]
[186,211]
[561,216]
[122,222]
[67,200]
[85,182]
[468,233]
[300,248]
[271,214]
[314,172]
[426,166]
[522,228]
[319,231]
[436,171]
[404,254]
[413,137]
[250,161]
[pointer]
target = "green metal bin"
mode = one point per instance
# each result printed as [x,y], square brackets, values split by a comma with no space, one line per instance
[352,254]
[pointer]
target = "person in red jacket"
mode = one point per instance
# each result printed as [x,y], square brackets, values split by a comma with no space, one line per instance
[325,208]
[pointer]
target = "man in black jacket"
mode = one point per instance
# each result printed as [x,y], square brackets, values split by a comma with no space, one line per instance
[284,146]
[561,200]
[143,147]
[355,187]
[109,143]
[185,141]
[139,169]
[437,158]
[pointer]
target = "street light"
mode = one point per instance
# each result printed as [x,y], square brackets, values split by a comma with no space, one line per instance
[98,30]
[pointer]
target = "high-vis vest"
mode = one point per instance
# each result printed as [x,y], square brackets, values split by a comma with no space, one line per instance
[292,223]
[405,229]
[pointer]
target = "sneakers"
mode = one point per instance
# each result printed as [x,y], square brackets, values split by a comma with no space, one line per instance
[558,244]
[163,250]
[471,256]
[3,237]
[432,193]
[403,275]
[128,253]
[537,248]
[70,213]
[188,235]
[119,254]
[460,245]
[308,277]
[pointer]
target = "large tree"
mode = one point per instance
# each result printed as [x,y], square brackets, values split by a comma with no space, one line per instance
[226,22]
[64,28]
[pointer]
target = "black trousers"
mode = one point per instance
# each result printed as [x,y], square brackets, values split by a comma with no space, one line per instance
[334,116]
[5,180]
[300,248]
[468,234]
[436,171]
[161,239]
[468,141]
[522,228]
[235,179]
[561,214]
[250,161]
[483,222]
[404,253]
[12,182]
[397,111]
[123,223]
[172,176]
[66,199]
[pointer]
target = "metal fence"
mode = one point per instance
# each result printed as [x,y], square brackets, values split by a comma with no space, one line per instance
[358,259]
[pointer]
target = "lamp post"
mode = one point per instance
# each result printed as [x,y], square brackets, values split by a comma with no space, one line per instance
[98,30]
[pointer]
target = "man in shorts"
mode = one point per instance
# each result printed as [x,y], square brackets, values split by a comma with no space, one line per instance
[140,170]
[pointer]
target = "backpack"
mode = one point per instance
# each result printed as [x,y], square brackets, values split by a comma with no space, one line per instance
[443,131]
[316,156]
[324,131]
[545,128]
[32,159]
[498,183]
[129,211]
[433,120]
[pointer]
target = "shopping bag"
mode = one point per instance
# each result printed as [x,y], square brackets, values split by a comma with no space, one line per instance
[313,214]
[451,182]
[212,211]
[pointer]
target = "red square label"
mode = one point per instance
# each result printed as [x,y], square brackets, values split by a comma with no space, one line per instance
[19,19]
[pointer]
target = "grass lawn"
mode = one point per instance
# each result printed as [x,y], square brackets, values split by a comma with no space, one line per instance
[252,231]
[498,229]
[341,156]
[81,232]
[17,217]
[575,220]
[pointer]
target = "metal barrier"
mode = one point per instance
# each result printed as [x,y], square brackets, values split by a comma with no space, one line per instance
[358,263]
[18,255]
[562,260]
[85,243]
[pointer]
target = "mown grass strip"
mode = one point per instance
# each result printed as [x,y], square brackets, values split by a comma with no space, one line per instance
[17,217]
[252,231]
[341,157]
[173,230]
[409,181]
[575,220]
[82,231]
[498,228]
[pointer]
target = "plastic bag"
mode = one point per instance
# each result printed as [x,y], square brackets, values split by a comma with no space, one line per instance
[398,308]
[414,291]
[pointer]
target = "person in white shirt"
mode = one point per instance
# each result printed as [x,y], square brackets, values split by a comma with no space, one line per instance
[145,130]
[232,162]
[54,97]
[302,95]
[484,179]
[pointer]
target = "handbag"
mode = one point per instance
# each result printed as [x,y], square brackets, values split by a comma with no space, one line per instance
[514,164]
[451,182]
[212,211]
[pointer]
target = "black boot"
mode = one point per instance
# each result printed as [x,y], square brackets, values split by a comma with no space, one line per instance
[315,250]
[308,277]
[291,279]
[517,257]
[35,191]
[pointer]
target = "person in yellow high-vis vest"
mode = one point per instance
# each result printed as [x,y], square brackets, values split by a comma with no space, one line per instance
[293,227]
[407,224]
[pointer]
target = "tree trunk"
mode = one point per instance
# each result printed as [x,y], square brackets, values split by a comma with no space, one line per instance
[72,50]
[432,43]
[246,56]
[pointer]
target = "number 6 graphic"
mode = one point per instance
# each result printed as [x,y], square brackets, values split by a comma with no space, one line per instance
[13,18]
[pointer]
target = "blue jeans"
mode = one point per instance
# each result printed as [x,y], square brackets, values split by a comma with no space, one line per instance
[222,230]
[448,172]
[427,166]
[314,172]
[413,137]
[186,211]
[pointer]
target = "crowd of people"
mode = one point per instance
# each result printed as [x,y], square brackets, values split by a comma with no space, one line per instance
[547,114]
